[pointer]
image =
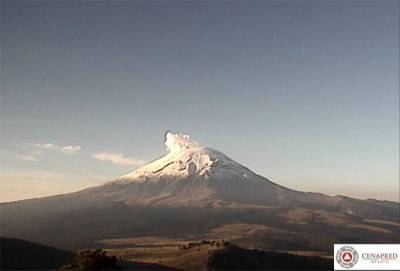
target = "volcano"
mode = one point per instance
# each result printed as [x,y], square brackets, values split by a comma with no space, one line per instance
[193,175]
[192,189]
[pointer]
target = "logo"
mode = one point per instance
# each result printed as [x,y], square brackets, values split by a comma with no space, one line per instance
[366,257]
[347,257]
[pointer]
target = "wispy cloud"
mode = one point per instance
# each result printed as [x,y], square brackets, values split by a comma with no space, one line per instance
[31,156]
[46,146]
[71,149]
[27,157]
[68,149]
[32,152]
[118,159]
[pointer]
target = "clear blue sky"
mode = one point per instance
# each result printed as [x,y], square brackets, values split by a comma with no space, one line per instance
[304,93]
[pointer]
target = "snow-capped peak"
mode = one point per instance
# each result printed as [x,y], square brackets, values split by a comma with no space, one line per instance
[186,157]
[176,142]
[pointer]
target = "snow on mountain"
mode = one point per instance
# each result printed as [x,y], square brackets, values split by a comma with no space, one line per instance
[187,158]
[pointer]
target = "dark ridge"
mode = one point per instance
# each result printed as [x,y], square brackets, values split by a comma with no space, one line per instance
[19,254]
[236,258]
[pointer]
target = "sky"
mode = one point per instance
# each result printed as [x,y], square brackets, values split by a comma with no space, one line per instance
[303,93]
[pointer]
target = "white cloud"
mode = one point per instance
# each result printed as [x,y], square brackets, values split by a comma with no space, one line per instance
[46,146]
[68,149]
[27,157]
[71,149]
[118,159]
[31,153]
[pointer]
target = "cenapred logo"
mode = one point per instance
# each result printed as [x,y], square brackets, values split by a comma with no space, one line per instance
[366,257]
[347,257]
